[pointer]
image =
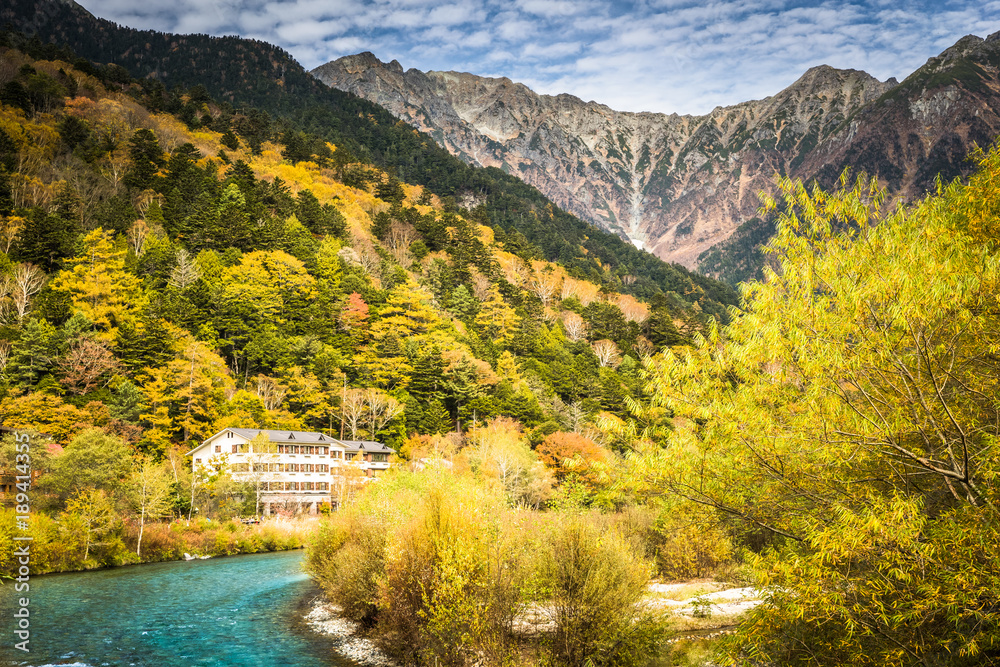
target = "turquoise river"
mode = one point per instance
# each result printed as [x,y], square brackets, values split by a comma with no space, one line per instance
[232,612]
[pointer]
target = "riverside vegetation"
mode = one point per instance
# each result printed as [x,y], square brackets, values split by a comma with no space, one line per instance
[834,443]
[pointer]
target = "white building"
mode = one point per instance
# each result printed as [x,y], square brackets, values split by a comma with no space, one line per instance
[295,470]
[371,457]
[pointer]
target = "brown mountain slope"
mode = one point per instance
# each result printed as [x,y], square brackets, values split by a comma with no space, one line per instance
[679,185]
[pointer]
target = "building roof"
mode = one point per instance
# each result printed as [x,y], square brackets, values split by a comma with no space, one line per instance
[366,446]
[283,437]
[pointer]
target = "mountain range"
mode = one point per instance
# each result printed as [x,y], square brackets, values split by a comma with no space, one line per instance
[686,187]
[251,77]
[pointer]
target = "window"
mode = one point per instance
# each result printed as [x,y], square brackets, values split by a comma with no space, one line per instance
[380,458]
[197,460]
[234,449]
[229,434]
[218,449]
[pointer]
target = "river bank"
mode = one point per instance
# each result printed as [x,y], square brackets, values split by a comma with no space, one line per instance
[59,546]
[699,612]
[325,618]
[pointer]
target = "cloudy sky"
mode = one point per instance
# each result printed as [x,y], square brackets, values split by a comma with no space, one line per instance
[649,55]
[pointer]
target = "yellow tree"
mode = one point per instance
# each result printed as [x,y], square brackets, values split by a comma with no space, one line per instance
[43,413]
[851,414]
[407,312]
[185,395]
[98,285]
[407,315]
[149,493]
[93,511]
[10,229]
[500,452]
[496,319]
[267,285]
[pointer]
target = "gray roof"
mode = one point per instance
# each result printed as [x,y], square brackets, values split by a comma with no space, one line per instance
[283,436]
[296,437]
[366,446]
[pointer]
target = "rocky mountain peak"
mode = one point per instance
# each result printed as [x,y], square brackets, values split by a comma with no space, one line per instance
[679,185]
[364,60]
[962,48]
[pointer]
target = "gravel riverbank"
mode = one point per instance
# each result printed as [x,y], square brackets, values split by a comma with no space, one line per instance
[325,618]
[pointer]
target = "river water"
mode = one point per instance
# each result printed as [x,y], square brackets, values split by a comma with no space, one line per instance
[226,612]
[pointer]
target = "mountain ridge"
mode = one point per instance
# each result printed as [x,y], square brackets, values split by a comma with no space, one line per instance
[680,185]
[248,72]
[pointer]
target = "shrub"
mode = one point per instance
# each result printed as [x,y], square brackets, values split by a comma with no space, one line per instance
[452,586]
[448,575]
[346,558]
[688,541]
[596,583]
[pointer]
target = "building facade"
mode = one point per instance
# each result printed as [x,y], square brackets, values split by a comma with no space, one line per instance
[292,471]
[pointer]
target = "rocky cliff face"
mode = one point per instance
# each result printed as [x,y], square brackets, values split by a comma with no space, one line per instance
[679,185]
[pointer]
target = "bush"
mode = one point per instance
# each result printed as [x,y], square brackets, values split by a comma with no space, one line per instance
[448,573]
[452,588]
[688,542]
[596,582]
[889,587]
[346,558]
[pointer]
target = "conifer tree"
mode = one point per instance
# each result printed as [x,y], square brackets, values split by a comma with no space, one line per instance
[97,284]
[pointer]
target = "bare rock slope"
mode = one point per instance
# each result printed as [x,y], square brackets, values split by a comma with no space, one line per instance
[679,185]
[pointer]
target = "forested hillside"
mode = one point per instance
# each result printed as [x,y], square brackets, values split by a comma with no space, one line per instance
[241,72]
[165,276]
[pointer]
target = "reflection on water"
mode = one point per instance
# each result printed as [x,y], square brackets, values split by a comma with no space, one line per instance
[232,612]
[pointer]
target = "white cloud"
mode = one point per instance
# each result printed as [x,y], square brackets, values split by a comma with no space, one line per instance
[455,14]
[550,8]
[556,50]
[348,45]
[306,32]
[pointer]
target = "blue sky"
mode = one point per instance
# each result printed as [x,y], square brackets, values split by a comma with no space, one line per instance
[650,55]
